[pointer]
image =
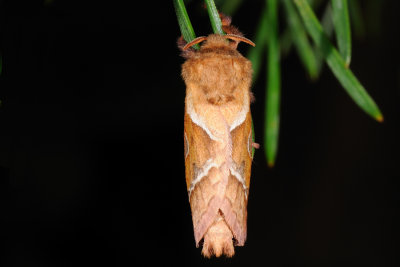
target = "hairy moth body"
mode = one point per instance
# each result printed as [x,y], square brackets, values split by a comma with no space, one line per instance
[218,142]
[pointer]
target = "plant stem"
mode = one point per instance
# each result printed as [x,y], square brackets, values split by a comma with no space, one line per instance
[184,22]
[214,17]
[272,119]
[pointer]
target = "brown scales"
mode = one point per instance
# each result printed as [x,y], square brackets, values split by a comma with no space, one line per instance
[217,69]
[218,80]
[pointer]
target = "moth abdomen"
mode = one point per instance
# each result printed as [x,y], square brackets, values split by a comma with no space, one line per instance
[219,239]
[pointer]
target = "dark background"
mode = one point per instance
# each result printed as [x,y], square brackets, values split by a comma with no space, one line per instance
[91,144]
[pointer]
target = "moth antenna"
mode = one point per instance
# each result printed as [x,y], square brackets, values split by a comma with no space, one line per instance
[240,39]
[181,42]
[194,41]
[184,53]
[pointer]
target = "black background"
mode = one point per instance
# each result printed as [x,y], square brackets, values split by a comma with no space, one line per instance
[91,144]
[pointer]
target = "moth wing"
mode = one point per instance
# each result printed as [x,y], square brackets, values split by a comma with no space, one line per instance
[242,155]
[235,204]
[198,168]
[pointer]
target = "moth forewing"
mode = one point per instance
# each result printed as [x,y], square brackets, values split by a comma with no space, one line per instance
[217,133]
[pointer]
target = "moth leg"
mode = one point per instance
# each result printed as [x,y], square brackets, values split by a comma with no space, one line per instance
[225,20]
[226,25]
[252,98]
[255,145]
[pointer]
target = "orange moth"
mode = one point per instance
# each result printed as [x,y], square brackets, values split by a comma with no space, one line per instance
[218,139]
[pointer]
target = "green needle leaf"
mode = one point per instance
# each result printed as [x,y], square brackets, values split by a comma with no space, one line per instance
[357,20]
[184,22]
[273,86]
[214,17]
[301,42]
[327,26]
[261,37]
[229,7]
[336,62]
[342,27]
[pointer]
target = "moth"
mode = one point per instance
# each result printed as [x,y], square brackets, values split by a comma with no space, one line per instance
[218,139]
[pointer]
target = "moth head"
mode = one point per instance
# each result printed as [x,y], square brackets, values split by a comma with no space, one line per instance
[218,40]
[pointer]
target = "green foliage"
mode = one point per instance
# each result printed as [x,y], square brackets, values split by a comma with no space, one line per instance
[273,95]
[336,63]
[342,28]
[300,39]
[184,22]
[340,17]
[214,17]
[255,55]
